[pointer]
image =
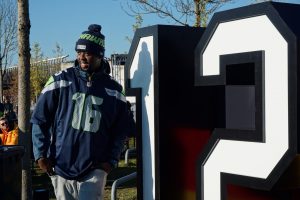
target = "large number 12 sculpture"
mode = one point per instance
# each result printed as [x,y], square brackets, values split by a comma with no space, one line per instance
[254,52]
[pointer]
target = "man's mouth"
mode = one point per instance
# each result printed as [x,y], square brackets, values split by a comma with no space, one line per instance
[84,62]
[84,65]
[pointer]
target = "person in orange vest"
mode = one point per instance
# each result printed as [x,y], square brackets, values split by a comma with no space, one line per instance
[8,136]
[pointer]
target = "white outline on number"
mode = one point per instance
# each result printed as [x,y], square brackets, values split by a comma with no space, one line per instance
[83,115]
[253,159]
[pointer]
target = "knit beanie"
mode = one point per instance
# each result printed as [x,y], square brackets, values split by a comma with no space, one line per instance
[91,41]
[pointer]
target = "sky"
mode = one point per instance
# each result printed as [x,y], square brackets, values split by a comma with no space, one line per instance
[62,21]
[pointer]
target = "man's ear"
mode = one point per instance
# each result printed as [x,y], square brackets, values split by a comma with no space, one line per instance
[105,66]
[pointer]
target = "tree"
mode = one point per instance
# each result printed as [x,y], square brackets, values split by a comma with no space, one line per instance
[42,68]
[37,77]
[11,78]
[58,51]
[38,80]
[24,95]
[8,36]
[184,12]
[137,25]
[37,53]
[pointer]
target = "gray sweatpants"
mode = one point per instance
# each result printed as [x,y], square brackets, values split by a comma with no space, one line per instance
[90,187]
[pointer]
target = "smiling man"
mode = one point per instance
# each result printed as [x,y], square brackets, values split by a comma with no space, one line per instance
[81,122]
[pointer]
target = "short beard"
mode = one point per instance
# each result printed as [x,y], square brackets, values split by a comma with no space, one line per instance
[95,67]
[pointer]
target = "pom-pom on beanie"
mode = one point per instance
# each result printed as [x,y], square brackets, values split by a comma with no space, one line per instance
[91,41]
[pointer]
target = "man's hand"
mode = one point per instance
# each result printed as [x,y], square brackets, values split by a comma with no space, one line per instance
[46,166]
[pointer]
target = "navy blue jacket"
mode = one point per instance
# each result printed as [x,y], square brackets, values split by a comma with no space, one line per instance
[79,123]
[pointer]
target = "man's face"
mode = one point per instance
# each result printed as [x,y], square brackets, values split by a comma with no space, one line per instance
[88,61]
[4,125]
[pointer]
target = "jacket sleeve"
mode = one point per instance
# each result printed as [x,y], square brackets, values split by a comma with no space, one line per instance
[40,141]
[122,128]
[132,124]
[42,119]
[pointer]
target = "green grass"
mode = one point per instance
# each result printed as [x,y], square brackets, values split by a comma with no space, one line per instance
[125,192]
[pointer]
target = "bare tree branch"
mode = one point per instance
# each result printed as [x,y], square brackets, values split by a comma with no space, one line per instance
[8,36]
[183,12]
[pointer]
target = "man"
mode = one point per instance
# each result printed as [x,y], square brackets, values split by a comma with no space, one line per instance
[8,136]
[8,109]
[80,123]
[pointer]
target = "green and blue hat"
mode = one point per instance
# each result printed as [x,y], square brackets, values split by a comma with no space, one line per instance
[91,41]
